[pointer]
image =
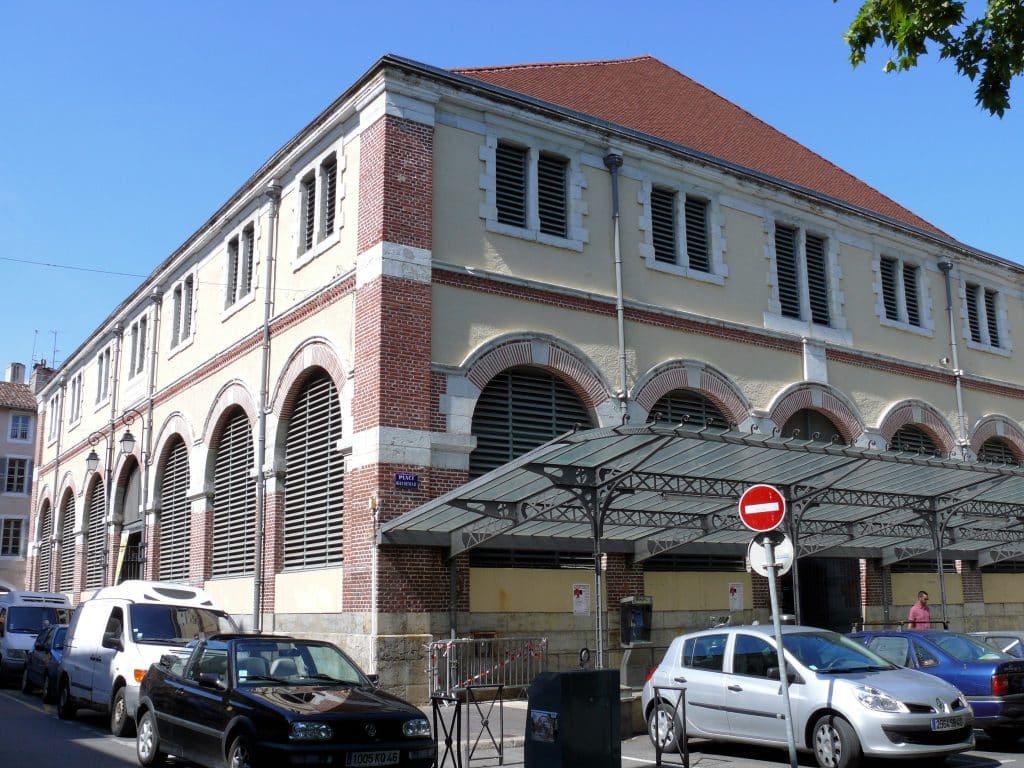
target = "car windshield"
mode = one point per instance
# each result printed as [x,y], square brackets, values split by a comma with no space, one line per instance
[964,648]
[175,624]
[831,652]
[32,619]
[295,662]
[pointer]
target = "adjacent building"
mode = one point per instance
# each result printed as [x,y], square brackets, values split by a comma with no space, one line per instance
[17,454]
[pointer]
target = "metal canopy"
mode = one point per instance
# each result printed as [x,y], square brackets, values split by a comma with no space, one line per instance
[658,488]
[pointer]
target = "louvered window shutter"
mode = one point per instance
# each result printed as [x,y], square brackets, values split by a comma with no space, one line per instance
[95,537]
[230,294]
[996,451]
[308,211]
[911,439]
[663,224]
[44,553]
[817,279]
[176,320]
[910,272]
[186,307]
[698,252]
[518,410]
[888,269]
[690,407]
[314,498]
[248,254]
[174,516]
[786,272]
[234,501]
[973,311]
[510,184]
[551,194]
[67,544]
[329,179]
[991,318]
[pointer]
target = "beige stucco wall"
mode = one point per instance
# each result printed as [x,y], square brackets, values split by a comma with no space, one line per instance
[705,591]
[317,591]
[232,595]
[905,587]
[1003,587]
[525,590]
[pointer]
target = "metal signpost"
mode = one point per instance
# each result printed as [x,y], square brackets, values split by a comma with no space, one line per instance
[762,509]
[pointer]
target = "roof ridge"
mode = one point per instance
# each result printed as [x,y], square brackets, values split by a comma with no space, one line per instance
[553,64]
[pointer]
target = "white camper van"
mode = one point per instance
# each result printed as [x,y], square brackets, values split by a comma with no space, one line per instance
[22,616]
[118,633]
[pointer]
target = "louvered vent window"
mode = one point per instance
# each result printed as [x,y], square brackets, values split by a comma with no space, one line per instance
[67,545]
[95,535]
[974,311]
[996,451]
[991,318]
[786,271]
[174,516]
[518,410]
[329,193]
[510,184]
[314,490]
[176,319]
[231,289]
[817,279]
[910,273]
[187,289]
[308,222]
[44,552]
[697,240]
[552,208]
[911,439]
[248,253]
[687,406]
[888,268]
[663,224]
[234,500]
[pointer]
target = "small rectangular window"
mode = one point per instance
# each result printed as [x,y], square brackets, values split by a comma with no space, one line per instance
[19,426]
[328,193]
[974,311]
[698,252]
[248,251]
[10,538]
[308,221]
[102,375]
[510,184]
[786,271]
[889,270]
[187,290]
[910,273]
[552,185]
[663,224]
[231,288]
[16,480]
[991,317]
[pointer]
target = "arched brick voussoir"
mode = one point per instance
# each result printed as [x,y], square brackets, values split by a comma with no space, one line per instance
[695,375]
[175,427]
[232,394]
[821,398]
[920,414]
[997,425]
[305,360]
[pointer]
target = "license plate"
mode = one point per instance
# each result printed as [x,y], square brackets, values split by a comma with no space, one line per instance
[373,758]
[947,723]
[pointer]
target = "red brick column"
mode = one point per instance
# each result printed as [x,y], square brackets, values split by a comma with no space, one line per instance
[623,578]
[875,582]
[971,581]
[273,546]
[200,540]
[151,568]
[113,544]
[78,580]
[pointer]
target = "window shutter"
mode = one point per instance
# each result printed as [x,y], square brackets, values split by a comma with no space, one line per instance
[996,451]
[785,271]
[912,439]
[689,406]
[663,224]
[329,176]
[697,235]
[308,211]
[910,272]
[249,247]
[888,270]
[234,500]
[174,516]
[230,289]
[551,194]
[176,320]
[67,544]
[3,474]
[991,318]
[95,537]
[314,509]
[973,322]
[44,553]
[28,476]
[186,307]
[510,184]
[817,279]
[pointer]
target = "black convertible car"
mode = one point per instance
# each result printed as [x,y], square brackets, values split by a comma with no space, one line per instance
[266,700]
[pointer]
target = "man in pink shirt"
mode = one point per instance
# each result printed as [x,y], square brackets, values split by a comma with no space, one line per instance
[920,616]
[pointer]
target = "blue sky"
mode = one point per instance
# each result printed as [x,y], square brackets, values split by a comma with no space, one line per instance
[126,124]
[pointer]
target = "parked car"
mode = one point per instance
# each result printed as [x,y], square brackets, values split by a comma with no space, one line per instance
[992,681]
[846,701]
[23,615]
[246,700]
[43,662]
[1009,641]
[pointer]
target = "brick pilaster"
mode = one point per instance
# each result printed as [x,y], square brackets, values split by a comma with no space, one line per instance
[151,568]
[273,548]
[623,578]
[200,540]
[971,581]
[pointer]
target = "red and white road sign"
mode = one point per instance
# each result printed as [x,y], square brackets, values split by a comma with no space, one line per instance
[762,508]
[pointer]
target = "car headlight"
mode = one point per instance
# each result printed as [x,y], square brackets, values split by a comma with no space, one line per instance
[960,703]
[418,727]
[310,732]
[879,701]
[17,654]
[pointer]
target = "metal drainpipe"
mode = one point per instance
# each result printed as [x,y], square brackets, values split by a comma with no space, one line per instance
[613,162]
[49,587]
[147,442]
[273,195]
[947,267]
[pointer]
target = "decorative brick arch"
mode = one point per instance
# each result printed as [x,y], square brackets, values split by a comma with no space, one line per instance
[999,426]
[825,400]
[67,485]
[694,375]
[922,415]
[543,352]
[45,501]
[233,394]
[304,362]
[174,426]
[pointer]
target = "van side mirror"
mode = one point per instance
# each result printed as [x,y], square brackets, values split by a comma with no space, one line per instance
[113,640]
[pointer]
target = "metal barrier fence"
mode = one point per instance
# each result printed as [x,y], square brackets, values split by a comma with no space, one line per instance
[512,662]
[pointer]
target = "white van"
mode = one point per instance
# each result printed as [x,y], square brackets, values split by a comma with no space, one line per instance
[22,616]
[116,635]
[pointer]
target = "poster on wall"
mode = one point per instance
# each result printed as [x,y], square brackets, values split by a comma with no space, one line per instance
[735,597]
[581,599]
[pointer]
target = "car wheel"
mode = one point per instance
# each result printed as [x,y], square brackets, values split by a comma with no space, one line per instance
[835,743]
[241,755]
[48,697]
[120,721]
[147,742]
[26,686]
[66,708]
[664,728]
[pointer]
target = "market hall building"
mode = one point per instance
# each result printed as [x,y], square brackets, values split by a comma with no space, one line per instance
[447,269]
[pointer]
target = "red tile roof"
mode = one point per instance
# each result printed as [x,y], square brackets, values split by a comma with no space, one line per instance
[17,396]
[645,95]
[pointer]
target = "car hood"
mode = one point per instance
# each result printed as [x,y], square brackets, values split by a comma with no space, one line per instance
[305,700]
[902,684]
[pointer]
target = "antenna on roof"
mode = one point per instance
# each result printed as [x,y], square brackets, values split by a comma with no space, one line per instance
[53,357]
[35,338]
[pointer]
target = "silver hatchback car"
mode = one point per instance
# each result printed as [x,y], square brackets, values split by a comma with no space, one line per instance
[846,701]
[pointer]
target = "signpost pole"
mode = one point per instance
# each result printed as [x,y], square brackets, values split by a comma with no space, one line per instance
[769,552]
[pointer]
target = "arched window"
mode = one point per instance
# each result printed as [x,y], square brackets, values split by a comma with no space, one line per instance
[95,535]
[174,515]
[995,450]
[314,486]
[912,439]
[809,424]
[67,544]
[234,500]
[518,410]
[44,552]
[690,407]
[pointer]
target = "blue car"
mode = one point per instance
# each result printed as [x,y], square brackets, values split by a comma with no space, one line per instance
[991,681]
[43,661]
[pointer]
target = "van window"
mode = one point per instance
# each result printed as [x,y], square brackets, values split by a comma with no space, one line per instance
[114,624]
[33,619]
[175,624]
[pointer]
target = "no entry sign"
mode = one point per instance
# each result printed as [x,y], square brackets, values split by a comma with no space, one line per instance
[762,508]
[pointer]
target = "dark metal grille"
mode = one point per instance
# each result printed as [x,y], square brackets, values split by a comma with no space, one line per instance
[67,544]
[551,194]
[688,406]
[697,251]
[673,563]
[888,268]
[817,279]
[314,495]
[234,500]
[329,180]
[518,410]
[174,516]
[998,451]
[663,224]
[910,272]
[510,184]
[230,292]
[248,248]
[786,271]
[95,536]
[308,211]
[529,558]
[973,292]
[44,554]
[991,318]
[912,439]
